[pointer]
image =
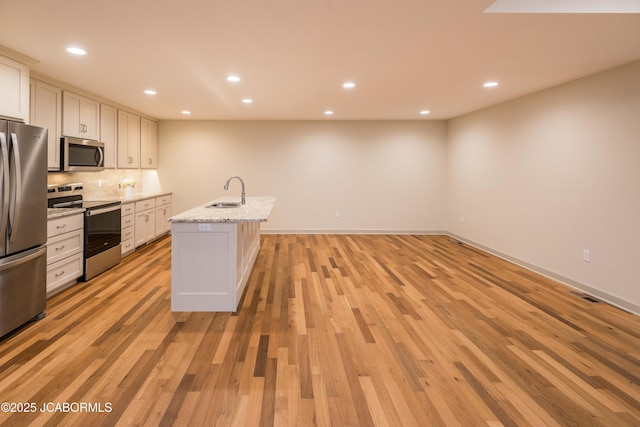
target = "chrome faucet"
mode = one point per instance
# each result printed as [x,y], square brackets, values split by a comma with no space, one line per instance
[226,187]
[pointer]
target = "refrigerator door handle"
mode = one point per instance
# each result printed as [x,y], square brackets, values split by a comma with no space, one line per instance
[4,152]
[14,214]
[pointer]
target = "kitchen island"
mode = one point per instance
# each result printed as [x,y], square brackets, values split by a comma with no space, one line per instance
[213,250]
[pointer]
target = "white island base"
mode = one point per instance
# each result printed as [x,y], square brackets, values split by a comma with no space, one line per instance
[211,262]
[212,253]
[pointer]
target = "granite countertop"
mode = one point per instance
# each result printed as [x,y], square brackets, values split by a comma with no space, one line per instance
[135,197]
[59,212]
[257,209]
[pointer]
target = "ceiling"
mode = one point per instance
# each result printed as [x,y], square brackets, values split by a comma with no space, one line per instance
[294,55]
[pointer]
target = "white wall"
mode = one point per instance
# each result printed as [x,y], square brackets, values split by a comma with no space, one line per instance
[537,180]
[546,176]
[383,176]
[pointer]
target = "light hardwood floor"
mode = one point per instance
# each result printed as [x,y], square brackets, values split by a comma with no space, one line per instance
[334,330]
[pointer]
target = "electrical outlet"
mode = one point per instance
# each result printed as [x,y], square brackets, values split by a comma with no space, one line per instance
[461,219]
[586,255]
[338,214]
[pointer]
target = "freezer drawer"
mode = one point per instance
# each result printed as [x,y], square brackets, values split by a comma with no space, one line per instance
[23,293]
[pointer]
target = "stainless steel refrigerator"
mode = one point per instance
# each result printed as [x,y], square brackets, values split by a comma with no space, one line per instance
[23,224]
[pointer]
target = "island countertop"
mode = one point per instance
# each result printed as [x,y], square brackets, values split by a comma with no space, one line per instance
[257,209]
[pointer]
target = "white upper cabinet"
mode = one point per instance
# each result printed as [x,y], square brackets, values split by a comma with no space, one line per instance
[46,112]
[14,87]
[109,134]
[128,140]
[80,116]
[148,144]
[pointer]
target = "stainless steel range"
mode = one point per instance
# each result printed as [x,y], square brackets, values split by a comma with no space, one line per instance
[102,227]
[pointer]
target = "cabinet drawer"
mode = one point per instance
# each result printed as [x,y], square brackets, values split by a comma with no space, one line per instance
[64,224]
[127,221]
[64,271]
[64,245]
[145,204]
[127,246]
[127,233]
[163,200]
[127,209]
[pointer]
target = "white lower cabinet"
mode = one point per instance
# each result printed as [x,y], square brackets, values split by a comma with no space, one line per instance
[145,221]
[211,264]
[128,228]
[163,212]
[65,243]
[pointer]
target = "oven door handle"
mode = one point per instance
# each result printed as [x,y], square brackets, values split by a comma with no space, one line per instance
[103,210]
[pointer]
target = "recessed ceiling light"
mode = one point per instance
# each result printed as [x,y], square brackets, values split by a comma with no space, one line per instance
[76,50]
[425,112]
[328,112]
[150,92]
[490,84]
[348,85]
[247,100]
[233,78]
[186,112]
[564,6]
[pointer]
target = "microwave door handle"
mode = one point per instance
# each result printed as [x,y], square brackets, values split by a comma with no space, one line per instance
[17,205]
[101,159]
[4,152]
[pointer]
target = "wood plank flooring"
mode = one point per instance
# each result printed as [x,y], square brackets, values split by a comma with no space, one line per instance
[346,330]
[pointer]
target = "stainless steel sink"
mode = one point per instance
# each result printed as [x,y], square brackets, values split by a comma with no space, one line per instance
[225,205]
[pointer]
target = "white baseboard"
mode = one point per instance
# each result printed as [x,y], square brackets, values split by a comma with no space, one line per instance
[342,231]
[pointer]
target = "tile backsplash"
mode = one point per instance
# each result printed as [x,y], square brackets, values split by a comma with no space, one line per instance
[106,183]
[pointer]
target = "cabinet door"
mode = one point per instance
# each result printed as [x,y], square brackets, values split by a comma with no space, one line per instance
[148,144]
[109,134]
[71,116]
[46,112]
[80,116]
[163,213]
[90,115]
[139,228]
[145,227]
[14,87]
[128,140]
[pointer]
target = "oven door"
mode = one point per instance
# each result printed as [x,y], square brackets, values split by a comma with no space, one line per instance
[102,230]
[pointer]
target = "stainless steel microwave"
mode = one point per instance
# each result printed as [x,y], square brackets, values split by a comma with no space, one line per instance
[81,155]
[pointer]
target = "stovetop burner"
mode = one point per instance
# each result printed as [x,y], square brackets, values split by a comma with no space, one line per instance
[71,196]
